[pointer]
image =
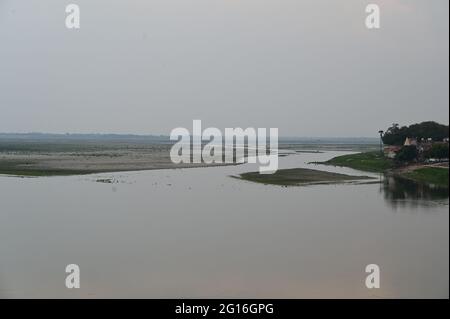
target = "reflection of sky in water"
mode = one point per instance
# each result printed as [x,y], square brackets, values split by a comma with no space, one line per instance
[200,233]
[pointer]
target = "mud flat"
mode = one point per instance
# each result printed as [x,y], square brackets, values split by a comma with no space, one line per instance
[53,158]
[300,176]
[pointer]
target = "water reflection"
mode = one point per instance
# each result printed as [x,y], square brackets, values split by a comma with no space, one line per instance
[400,191]
[195,233]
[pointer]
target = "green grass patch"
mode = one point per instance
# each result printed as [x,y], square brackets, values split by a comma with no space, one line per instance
[26,168]
[299,176]
[43,172]
[431,175]
[369,161]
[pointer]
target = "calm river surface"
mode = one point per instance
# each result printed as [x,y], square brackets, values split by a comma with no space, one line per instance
[199,233]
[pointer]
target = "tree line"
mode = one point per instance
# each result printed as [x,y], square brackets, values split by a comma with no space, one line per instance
[396,134]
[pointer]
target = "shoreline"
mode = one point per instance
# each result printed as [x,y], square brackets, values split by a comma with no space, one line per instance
[60,168]
[63,159]
[374,162]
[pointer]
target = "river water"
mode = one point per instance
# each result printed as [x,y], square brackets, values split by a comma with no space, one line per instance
[197,233]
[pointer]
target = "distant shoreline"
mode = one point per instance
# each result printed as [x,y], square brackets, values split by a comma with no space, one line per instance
[51,158]
[62,164]
[152,138]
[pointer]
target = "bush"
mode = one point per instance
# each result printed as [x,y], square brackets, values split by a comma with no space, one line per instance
[407,154]
[396,134]
[438,151]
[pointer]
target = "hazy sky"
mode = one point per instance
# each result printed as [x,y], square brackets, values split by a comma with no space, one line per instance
[310,68]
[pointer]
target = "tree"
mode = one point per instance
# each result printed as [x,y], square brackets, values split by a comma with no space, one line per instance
[396,135]
[429,129]
[407,154]
[438,151]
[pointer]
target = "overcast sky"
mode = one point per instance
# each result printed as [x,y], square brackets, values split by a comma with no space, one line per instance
[310,68]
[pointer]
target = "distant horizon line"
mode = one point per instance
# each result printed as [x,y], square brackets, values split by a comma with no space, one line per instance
[167,136]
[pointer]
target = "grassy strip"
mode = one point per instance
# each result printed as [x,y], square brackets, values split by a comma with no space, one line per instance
[38,173]
[432,175]
[299,176]
[370,161]
[376,162]
[25,168]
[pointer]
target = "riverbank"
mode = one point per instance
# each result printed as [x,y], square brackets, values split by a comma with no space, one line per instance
[37,165]
[367,161]
[431,175]
[375,162]
[64,158]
